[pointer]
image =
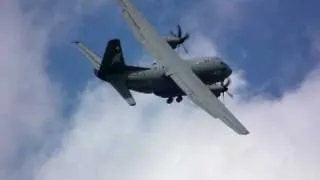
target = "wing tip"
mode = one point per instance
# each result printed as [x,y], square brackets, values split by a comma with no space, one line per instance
[241,131]
[235,126]
[131,101]
[244,132]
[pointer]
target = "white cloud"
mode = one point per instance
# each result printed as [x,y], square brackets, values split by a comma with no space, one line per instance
[110,140]
[27,97]
[29,105]
[153,140]
[200,46]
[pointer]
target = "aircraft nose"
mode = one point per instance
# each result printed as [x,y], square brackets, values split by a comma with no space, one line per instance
[228,71]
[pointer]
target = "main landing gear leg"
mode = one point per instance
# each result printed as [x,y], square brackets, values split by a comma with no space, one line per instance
[169,100]
[179,99]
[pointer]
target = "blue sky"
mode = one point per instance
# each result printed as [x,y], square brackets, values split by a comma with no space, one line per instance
[269,40]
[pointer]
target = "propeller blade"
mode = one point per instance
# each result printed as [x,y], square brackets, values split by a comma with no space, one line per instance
[185,49]
[225,85]
[180,40]
[223,96]
[179,31]
[186,37]
[231,95]
[228,82]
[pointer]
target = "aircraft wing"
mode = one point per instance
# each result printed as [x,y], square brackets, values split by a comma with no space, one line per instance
[176,68]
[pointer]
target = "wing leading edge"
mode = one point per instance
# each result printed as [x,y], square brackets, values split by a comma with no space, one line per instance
[176,68]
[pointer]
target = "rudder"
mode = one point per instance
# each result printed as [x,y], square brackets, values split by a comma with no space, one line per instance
[113,60]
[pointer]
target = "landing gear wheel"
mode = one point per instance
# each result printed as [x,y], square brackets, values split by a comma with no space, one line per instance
[179,99]
[169,100]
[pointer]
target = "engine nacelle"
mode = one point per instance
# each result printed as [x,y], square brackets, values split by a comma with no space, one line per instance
[215,87]
[216,90]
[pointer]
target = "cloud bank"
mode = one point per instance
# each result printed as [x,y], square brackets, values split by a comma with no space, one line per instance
[27,98]
[153,140]
[30,100]
[109,140]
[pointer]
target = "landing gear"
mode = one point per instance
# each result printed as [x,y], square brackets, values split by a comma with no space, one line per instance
[179,99]
[169,100]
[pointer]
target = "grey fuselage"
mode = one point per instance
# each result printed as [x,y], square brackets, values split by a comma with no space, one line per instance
[153,80]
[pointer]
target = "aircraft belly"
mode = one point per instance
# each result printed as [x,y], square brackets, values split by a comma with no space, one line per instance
[142,86]
[166,87]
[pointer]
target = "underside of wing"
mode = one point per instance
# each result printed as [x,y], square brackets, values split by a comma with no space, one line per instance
[208,102]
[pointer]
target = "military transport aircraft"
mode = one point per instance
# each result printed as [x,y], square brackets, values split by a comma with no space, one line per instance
[153,79]
[170,77]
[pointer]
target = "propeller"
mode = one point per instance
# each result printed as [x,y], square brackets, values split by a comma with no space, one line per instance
[226,88]
[180,37]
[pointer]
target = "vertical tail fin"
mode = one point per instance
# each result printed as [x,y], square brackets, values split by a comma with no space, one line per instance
[110,67]
[113,60]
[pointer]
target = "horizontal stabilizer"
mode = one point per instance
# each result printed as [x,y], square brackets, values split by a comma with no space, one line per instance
[123,90]
[93,57]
